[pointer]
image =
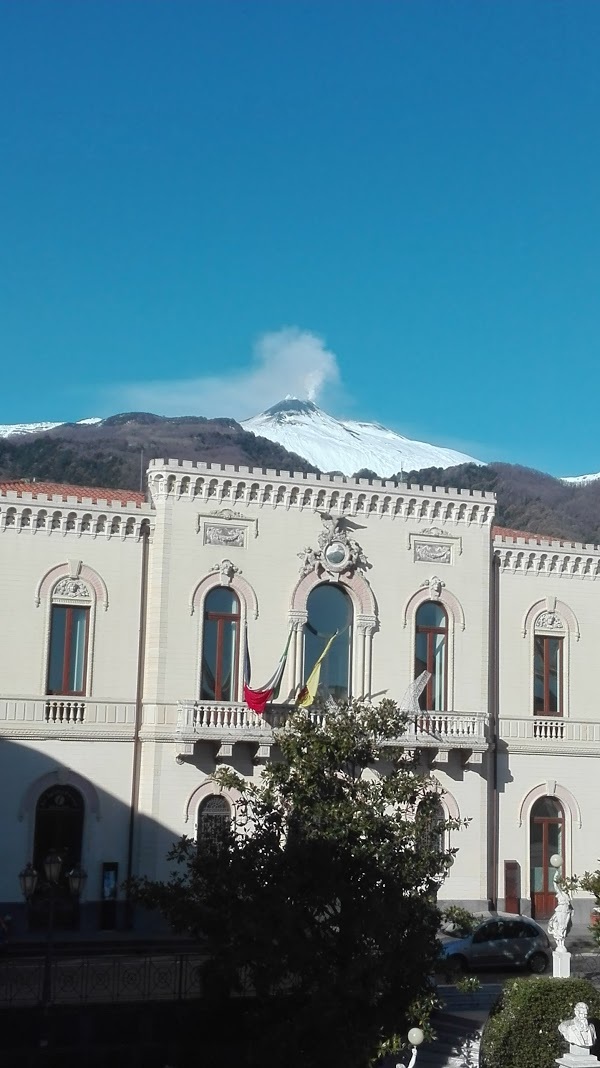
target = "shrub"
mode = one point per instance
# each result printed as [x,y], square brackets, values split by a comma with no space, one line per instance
[522,1030]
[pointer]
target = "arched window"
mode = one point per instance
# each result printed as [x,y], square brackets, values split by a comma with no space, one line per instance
[329,610]
[220,645]
[432,817]
[431,654]
[547,675]
[214,819]
[69,636]
[547,837]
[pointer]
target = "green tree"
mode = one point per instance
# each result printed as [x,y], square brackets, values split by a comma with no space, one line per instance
[321,899]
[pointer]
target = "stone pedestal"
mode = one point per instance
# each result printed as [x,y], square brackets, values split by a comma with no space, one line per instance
[578,1057]
[561,964]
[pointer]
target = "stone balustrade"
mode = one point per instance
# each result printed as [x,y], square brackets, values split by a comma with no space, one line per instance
[229,722]
[550,734]
[55,716]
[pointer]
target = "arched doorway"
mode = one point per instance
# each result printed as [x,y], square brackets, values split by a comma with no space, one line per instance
[547,837]
[214,819]
[59,817]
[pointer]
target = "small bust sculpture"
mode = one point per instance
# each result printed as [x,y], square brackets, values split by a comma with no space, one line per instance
[560,921]
[578,1032]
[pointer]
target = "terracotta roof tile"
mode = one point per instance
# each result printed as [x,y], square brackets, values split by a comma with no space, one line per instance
[508,532]
[66,489]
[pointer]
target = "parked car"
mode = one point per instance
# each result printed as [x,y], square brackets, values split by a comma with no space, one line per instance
[502,941]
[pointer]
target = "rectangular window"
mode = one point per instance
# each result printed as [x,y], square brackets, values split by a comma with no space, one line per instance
[547,676]
[68,650]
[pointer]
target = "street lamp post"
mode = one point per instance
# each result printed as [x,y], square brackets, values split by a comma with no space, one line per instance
[415,1037]
[28,878]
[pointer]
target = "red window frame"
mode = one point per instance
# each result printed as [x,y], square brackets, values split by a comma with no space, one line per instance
[546,709]
[221,618]
[66,657]
[426,699]
[544,901]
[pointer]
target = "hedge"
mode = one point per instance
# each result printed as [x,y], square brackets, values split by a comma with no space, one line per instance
[522,1029]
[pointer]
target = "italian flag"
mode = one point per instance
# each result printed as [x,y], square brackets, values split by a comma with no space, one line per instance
[257,700]
[309,691]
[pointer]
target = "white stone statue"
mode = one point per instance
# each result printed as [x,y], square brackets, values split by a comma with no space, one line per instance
[560,921]
[579,1032]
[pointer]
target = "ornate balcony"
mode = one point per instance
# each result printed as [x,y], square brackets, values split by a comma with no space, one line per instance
[65,717]
[227,723]
[549,734]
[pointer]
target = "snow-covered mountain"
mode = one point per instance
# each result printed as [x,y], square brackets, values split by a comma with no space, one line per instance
[580,480]
[8,429]
[344,445]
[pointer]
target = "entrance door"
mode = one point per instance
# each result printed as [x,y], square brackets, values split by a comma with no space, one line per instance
[547,838]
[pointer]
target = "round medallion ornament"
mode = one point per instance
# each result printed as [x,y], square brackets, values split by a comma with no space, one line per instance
[337,555]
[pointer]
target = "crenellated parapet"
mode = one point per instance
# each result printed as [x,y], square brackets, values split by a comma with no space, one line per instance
[221,485]
[531,555]
[30,514]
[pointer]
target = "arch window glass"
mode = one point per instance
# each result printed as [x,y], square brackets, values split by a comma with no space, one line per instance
[329,610]
[431,654]
[547,675]
[220,646]
[547,837]
[67,661]
[214,819]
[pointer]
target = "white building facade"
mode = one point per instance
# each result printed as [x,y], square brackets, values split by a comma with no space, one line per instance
[128,624]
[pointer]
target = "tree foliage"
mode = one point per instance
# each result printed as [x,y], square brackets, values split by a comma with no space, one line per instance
[321,898]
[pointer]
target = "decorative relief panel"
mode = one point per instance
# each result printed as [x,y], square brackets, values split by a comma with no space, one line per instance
[338,554]
[431,553]
[435,586]
[223,526]
[549,621]
[226,570]
[71,589]
[220,535]
[433,545]
[436,532]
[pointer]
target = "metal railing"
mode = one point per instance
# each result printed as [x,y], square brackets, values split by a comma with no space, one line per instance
[101,979]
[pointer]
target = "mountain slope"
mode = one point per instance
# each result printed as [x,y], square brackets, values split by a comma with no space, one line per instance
[526,499]
[8,430]
[115,452]
[344,445]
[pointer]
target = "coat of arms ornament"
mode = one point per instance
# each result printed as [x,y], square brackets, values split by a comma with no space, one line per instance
[338,554]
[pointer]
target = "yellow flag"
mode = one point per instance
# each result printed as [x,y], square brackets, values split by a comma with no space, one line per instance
[309,690]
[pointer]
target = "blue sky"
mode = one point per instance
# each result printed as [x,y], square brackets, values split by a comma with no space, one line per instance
[394,205]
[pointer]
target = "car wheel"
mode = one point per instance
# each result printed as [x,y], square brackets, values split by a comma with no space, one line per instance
[538,963]
[455,966]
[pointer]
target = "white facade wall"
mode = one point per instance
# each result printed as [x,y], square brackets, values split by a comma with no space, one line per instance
[555,756]
[252,530]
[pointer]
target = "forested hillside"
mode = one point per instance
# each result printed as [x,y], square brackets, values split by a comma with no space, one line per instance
[115,453]
[527,500]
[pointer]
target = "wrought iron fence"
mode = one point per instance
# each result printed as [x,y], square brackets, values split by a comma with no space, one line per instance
[103,979]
